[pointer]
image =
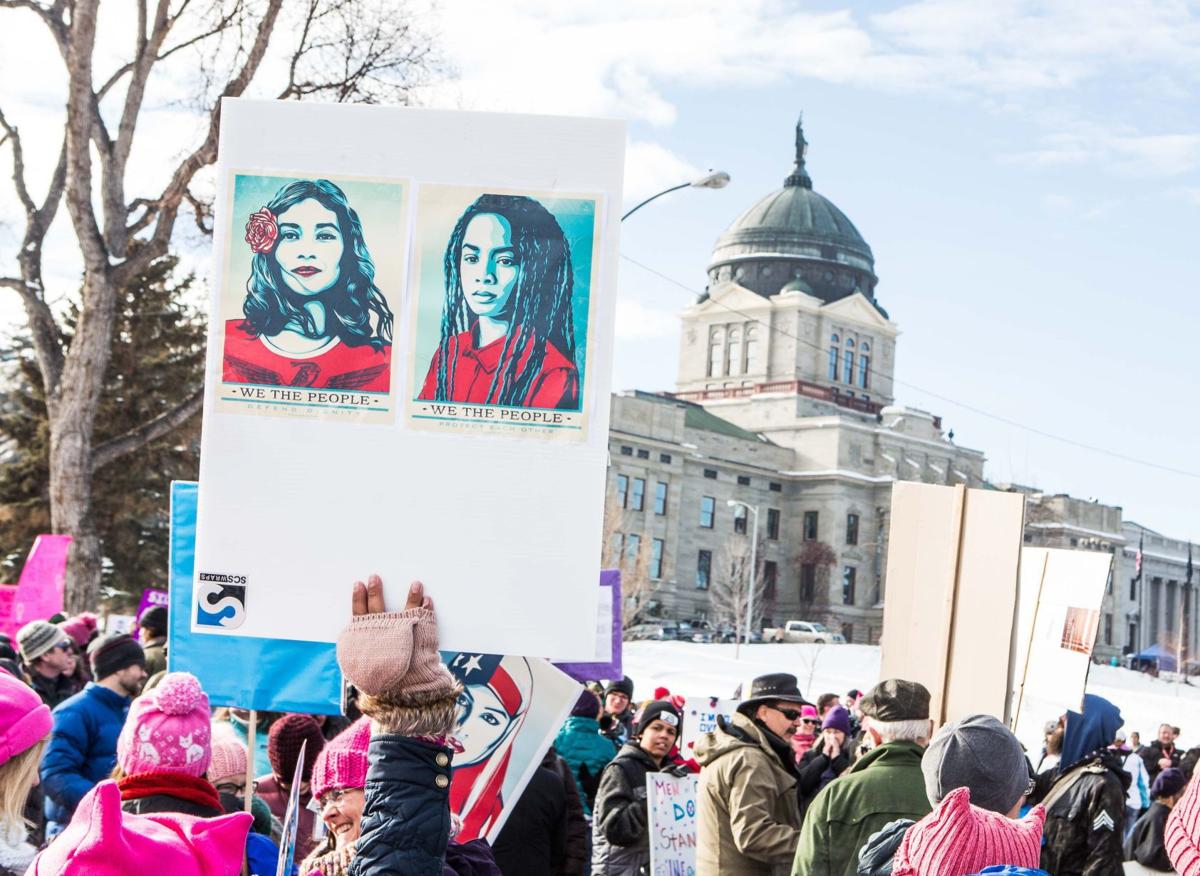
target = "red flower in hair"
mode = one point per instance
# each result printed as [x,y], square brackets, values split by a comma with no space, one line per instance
[261,231]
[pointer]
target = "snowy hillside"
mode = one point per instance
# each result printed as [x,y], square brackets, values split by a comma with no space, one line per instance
[711,670]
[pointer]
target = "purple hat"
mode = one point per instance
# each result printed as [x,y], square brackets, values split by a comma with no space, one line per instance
[837,719]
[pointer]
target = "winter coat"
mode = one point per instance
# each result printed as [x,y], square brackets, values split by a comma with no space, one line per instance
[1139,782]
[620,839]
[884,784]
[618,728]
[277,800]
[156,656]
[748,818]
[817,770]
[406,815]
[875,858]
[586,752]
[1086,817]
[83,748]
[1153,753]
[1145,844]
[472,858]
[52,690]
[533,840]
[16,853]
[578,857]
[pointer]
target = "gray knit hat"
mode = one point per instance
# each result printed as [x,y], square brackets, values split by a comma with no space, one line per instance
[979,753]
[37,638]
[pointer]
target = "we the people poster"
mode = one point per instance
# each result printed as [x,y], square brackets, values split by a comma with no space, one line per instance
[332,323]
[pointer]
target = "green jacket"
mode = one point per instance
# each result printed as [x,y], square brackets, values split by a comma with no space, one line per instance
[883,785]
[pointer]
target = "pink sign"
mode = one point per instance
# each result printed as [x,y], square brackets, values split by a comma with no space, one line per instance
[39,593]
[8,599]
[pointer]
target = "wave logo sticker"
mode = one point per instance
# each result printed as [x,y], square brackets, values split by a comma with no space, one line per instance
[220,600]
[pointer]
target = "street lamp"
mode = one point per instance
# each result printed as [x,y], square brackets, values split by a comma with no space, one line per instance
[714,179]
[753,509]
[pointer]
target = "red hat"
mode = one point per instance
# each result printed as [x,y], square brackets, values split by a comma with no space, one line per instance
[286,736]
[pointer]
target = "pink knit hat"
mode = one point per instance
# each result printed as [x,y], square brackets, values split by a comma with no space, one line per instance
[101,840]
[957,839]
[343,762]
[229,759]
[1182,836]
[24,719]
[167,730]
[80,628]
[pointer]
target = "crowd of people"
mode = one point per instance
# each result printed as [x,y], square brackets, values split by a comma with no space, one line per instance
[111,764]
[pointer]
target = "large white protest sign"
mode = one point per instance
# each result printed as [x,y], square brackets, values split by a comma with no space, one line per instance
[671,804]
[410,346]
[509,712]
[1058,614]
[700,716]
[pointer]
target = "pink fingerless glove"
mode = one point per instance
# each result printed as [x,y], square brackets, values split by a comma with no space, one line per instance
[394,654]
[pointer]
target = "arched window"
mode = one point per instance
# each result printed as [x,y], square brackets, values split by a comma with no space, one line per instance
[734,365]
[833,357]
[864,369]
[715,350]
[751,348]
[848,367]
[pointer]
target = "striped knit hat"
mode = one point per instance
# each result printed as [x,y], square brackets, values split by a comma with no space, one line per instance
[1182,836]
[958,839]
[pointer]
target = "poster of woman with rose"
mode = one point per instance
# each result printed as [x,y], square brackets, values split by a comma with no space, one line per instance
[307,326]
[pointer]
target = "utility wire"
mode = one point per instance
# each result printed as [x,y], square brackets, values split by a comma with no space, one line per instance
[963,405]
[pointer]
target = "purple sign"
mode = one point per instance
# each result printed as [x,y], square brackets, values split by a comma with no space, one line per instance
[608,634]
[151,598]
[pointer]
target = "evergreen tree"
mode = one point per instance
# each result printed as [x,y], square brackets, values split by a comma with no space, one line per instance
[157,361]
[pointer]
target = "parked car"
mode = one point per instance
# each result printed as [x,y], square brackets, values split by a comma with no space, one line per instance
[693,632]
[803,631]
[645,632]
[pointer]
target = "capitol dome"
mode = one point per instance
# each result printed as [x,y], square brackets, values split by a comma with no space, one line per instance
[795,234]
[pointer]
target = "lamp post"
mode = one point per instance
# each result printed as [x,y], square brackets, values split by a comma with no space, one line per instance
[714,179]
[753,509]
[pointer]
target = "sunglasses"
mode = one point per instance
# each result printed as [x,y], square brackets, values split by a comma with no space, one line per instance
[790,714]
[810,721]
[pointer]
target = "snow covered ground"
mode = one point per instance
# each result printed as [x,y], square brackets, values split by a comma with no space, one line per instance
[711,670]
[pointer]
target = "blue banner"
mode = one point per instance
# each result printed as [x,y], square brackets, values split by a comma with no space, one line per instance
[277,675]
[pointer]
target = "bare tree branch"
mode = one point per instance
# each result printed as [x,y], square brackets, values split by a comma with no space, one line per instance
[135,439]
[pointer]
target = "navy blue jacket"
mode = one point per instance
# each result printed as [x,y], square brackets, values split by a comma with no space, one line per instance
[83,748]
[406,816]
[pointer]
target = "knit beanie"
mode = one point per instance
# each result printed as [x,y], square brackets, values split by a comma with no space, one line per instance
[621,685]
[1168,783]
[837,719]
[80,628]
[958,839]
[979,753]
[283,745]
[167,730]
[154,618]
[229,759]
[38,637]
[101,840]
[24,719]
[343,762]
[114,652]
[587,706]
[662,710]
[1181,838]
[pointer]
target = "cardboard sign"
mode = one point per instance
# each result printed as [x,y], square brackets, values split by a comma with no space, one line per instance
[448,421]
[237,671]
[42,584]
[1058,613]
[700,716]
[671,802]
[606,662]
[950,600]
[510,710]
[150,598]
[125,624]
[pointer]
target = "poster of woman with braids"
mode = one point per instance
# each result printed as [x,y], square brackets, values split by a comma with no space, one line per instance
[311,328]
[502,310]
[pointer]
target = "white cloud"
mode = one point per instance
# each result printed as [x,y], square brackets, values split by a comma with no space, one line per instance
[1128,154]
[650,168]
[640,322]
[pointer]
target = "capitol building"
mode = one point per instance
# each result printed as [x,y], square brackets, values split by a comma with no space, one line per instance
[785,413]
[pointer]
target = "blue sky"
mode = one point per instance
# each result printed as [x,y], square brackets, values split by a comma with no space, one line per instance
[1027,173]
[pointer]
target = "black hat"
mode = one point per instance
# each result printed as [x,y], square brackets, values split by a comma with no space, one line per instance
[663,710]
[114,652]
[776,687]
[623,685]
[896,700]
[154,618]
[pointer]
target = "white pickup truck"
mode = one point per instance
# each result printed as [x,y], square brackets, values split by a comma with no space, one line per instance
[803,631]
